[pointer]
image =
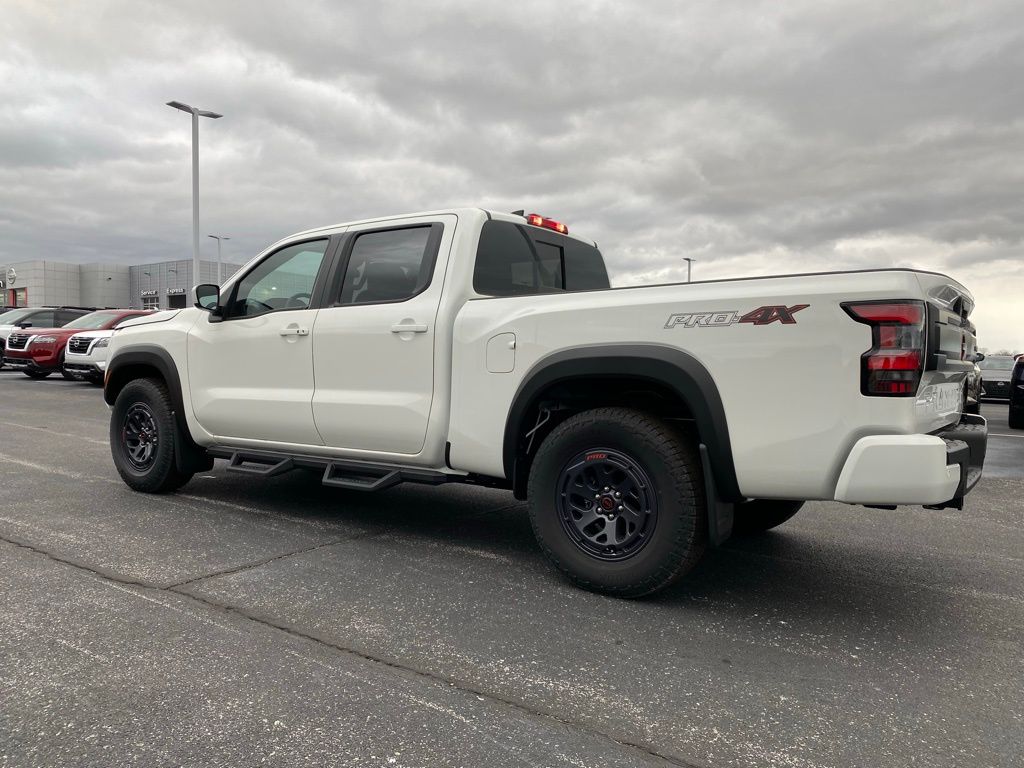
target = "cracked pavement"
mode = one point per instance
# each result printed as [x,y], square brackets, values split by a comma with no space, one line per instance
[276,622]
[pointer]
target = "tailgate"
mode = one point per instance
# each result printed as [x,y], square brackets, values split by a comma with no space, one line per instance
[952,340]
[951,344]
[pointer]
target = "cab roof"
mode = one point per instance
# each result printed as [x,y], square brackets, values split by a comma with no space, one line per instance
[495,215]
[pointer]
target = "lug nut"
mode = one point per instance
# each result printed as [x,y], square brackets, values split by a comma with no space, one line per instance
[620,509]
[617,494]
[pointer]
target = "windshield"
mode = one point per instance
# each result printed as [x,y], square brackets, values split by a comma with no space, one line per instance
[13,316]
[93,321]
[996,364]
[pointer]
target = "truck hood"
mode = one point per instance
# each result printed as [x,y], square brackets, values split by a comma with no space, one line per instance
[43,331]
[156,317]
[95,334]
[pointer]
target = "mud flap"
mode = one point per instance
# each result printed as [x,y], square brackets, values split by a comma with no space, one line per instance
[720,513]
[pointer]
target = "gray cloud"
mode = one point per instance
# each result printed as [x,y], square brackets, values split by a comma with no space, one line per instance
[757,137]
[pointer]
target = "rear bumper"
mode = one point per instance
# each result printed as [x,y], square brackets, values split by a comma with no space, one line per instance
[935,470]
[996,390]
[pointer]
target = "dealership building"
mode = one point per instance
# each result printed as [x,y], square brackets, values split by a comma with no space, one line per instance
[164,285]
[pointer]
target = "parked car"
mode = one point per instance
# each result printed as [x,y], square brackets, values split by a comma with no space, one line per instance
[85,356]
[38,352]
[641,423]
[974,386]
[996,369]
[36,317]
[1016,415]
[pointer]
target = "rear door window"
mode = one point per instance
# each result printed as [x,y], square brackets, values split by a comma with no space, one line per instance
[390,265]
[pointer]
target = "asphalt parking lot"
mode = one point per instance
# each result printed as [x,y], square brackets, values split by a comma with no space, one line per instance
[276,622]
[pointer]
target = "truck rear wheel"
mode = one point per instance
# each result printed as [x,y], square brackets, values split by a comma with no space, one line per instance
[142,438]
[617,502]
[760,515]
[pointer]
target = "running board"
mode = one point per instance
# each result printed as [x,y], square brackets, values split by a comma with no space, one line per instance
[337,473]
[263,466]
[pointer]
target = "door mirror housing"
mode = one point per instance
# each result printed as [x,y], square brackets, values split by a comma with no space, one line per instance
[207,297]
[978,357]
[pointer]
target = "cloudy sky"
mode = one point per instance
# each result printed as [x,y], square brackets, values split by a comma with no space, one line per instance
[756,137]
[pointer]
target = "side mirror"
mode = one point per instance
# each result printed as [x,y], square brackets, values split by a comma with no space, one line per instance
[207,297]
[24,325]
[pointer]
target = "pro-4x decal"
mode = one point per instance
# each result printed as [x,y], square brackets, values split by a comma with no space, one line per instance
[765,315]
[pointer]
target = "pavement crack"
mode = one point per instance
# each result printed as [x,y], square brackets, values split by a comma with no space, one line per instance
[103,573]
[264,561]
[179,590]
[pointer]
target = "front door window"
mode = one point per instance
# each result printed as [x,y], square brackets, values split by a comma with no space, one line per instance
[284,280]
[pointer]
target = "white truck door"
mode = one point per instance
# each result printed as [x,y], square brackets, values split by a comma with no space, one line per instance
[373,342]
[251,375]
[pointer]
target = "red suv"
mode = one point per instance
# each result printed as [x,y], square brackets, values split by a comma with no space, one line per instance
[40,351]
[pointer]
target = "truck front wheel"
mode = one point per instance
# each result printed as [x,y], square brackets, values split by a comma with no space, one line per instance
[760,515]
[616,501]
[142,438]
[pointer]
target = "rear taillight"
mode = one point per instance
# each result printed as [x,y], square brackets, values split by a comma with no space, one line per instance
[893,365]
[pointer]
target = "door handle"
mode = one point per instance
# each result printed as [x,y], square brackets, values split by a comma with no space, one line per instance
[294,330]
[408,328]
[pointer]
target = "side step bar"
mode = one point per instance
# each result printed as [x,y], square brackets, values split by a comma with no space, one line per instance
[338,473]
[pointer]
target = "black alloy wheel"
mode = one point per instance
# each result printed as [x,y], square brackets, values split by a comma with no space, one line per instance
[140,436]
[606,504]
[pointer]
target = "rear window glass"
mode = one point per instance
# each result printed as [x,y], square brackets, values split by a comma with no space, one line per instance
[512,260]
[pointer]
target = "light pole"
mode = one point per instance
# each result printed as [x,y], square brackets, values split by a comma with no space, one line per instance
[196,114]
[218,238]
[689,266]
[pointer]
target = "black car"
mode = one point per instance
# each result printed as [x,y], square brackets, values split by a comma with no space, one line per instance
[1016,416]
[995,370]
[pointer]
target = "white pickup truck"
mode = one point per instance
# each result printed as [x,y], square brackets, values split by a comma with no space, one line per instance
[641,423]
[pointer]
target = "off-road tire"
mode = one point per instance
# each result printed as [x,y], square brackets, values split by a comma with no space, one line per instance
[159,474]
[664,455]
[760,515]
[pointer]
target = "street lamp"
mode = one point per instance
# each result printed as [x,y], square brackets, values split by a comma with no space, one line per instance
[689,266]
[196,114]
[218,238]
